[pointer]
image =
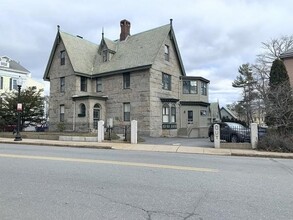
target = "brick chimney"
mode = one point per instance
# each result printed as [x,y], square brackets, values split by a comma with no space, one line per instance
[125,29]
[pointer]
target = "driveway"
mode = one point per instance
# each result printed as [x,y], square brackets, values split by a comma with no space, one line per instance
[189,142]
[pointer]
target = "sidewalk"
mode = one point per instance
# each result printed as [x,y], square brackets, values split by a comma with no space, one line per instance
[149,147]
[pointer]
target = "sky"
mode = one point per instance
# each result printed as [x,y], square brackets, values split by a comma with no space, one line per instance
[214,37]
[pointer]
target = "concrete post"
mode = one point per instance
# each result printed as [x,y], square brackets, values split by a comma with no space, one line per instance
[217,135]
[103,132]
[133,132]
[100,131]
[253,135]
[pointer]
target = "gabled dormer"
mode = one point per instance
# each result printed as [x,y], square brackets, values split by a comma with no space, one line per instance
[107,49]
[4,62]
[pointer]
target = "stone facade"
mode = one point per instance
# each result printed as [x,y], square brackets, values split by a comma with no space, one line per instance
[145,94]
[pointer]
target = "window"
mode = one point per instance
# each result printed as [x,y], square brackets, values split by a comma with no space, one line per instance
[126,111]
[62,84]
[169,116]
[83,84]
[62,57]
[203,112]
[165,113]
[166,81]
[81,110]
[203,88]
[190,117]
[105,55]
[1,82]
[98,84]
[126,80]
[167,56]
[173,114]
[62,109]
[4,62]
[96,114]
[13,84]
[189,87]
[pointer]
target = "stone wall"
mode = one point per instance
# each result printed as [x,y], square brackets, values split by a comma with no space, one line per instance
[56,97]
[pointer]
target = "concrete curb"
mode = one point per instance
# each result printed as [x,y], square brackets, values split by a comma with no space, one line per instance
[151,148]
[57,143]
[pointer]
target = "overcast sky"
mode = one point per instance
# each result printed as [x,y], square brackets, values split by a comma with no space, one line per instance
[214,37]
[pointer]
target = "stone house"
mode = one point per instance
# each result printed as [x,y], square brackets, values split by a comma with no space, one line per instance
[137,77]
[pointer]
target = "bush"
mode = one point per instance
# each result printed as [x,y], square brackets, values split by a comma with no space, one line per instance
[274,141]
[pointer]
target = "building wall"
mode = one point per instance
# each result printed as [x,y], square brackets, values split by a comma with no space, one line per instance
[56,97]
[289,67]
[199,119]
[144,96]
[172,68]
[196,97]
[138,95]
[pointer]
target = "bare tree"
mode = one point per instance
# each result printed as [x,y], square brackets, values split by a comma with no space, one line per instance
[274,48]
[271,50]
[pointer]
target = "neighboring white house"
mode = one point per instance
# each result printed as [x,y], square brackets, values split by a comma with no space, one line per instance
[10,71]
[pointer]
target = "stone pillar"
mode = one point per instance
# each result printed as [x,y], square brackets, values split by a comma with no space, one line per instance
[217,135]
[100,131]
[253,135]
[103,132]
[133,132]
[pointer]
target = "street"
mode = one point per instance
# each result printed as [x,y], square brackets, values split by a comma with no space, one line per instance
[39,182]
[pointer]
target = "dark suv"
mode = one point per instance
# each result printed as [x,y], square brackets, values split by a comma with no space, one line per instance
[231,132]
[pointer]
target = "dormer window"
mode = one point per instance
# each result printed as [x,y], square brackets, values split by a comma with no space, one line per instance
[4,62]
[105,55]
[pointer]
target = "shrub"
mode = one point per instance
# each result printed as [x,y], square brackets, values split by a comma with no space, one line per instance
[274,141]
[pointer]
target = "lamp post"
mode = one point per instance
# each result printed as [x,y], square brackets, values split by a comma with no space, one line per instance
[18,109]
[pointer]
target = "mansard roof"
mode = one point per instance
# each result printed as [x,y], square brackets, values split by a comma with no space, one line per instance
[135,52]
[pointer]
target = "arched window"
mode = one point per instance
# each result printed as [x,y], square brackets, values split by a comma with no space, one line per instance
[81,110]
[96,115]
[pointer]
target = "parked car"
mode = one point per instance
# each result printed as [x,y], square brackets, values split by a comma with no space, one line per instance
[262,132]
[231,132]
[41,128]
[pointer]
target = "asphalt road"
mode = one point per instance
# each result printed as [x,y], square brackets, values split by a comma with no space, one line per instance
[71,183]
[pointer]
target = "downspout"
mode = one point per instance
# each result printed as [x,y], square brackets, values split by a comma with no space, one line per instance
[179,97]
